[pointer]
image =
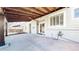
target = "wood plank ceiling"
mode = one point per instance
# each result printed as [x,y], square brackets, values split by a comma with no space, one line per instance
[14,14]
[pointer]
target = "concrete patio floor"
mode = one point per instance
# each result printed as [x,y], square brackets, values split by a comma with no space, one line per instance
[31,42]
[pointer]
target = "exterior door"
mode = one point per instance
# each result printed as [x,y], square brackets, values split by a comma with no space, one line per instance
[42,28]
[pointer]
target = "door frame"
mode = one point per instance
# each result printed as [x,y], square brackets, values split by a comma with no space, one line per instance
[30,28]
[42,28]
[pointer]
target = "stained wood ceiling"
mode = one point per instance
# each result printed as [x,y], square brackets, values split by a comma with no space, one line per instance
[14,14]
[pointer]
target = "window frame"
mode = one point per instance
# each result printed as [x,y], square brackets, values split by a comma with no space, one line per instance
[53,20]
[76,13]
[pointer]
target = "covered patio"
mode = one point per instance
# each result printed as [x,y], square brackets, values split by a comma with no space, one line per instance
[38,29]
[20,14]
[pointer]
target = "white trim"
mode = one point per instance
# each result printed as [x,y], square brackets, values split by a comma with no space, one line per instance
[73,13]
[59,19]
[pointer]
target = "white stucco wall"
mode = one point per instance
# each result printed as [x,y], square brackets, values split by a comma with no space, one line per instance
[33,26]
[27,27]
[70,29]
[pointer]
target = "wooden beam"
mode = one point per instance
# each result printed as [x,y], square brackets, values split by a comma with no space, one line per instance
[13,17]
[31,9]
[19,20]
[13,13]
[25,10]
[42,9]
[37,8]
[20,15]
[18,10]
[56,9]
[16,16]
[46,9]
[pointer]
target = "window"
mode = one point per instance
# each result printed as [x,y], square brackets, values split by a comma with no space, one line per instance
[51,20]
[76,12]
[61,19]
[57,19]
[42,28]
